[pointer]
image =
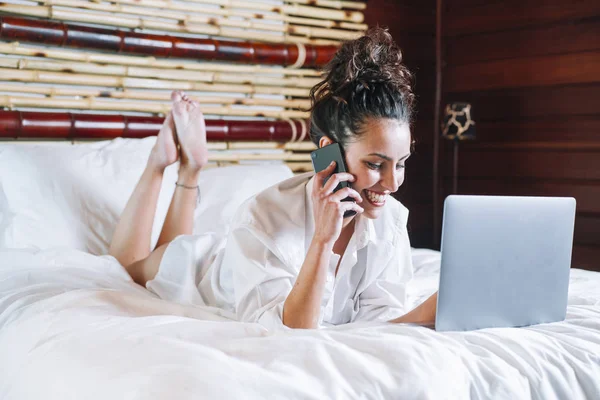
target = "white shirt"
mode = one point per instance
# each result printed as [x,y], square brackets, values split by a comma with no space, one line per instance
[250,275]
[268,243]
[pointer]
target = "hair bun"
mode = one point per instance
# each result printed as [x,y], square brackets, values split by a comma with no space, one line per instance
[370,59]
[365,79]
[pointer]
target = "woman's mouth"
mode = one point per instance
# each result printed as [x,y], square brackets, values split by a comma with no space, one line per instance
[375,198]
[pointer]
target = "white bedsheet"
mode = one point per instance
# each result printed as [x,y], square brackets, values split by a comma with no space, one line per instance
[74,326]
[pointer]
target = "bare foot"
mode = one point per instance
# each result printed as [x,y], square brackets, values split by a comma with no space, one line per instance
[164,152]
[191,132]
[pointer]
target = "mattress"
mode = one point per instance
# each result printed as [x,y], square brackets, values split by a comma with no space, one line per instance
[74,326]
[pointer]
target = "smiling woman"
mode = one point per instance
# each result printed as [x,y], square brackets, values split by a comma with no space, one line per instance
[298,261]
[291,258]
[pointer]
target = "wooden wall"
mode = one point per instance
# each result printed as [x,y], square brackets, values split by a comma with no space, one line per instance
[531,69]
[412,24]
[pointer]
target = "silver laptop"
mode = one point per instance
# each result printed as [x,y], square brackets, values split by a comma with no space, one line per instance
[505,261]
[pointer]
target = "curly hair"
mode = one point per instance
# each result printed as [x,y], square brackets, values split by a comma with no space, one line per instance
[365,79]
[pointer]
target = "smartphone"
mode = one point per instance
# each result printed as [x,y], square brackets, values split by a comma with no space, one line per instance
[321,158]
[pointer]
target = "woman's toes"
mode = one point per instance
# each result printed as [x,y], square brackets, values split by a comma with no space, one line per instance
[176,95]
[191,131]
[179,108]
[164,152]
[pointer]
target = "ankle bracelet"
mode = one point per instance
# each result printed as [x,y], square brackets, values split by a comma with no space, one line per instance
[197,187]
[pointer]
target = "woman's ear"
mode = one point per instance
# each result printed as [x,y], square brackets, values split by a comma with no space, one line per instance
[324,141]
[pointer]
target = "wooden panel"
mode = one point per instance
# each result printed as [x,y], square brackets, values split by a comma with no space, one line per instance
[425,105]
[550,101]
[422,132]
[587,193]
[419,225]
[555,39]
[587,230]
[420,163]
[479,162]
[524,72]
[416,47]
[581,129]
[399,17]
[586,257]
[424,84]
[415,191]
[458,5]
[529,67]
[496,16]
[420,5]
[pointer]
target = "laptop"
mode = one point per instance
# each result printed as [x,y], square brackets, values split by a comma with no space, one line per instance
[505,261]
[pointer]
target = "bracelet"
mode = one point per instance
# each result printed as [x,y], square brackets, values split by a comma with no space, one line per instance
[187,187]
[197,187]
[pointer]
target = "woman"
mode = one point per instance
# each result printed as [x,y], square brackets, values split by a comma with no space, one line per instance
[291,259]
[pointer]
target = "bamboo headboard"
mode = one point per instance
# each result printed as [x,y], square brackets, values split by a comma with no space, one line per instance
[78,69]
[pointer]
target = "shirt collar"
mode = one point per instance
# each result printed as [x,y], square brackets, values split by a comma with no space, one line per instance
[365,229]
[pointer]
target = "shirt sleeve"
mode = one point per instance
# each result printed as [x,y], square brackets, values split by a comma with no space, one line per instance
[185,262]
[261,280]
[385,298]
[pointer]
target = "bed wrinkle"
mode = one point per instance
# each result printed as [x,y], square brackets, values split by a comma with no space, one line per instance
[542,364]
[492,347]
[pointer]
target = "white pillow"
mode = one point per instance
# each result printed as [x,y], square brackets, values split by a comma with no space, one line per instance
[63,195]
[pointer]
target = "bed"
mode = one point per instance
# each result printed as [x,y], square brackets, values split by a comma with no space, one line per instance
[74,325]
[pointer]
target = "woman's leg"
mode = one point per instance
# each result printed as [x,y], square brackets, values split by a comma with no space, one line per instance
[191,134]
[132,236]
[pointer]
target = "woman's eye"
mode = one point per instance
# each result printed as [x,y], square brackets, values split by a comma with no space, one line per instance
[373,165]
[400,166]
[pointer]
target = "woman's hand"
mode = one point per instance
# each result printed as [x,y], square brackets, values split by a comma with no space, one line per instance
[328,207]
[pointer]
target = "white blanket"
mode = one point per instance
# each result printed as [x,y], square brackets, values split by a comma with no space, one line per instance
[74,326]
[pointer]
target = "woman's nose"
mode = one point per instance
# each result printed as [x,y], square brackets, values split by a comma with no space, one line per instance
[393,180]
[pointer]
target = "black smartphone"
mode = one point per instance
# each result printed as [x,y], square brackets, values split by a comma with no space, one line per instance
[321,158]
